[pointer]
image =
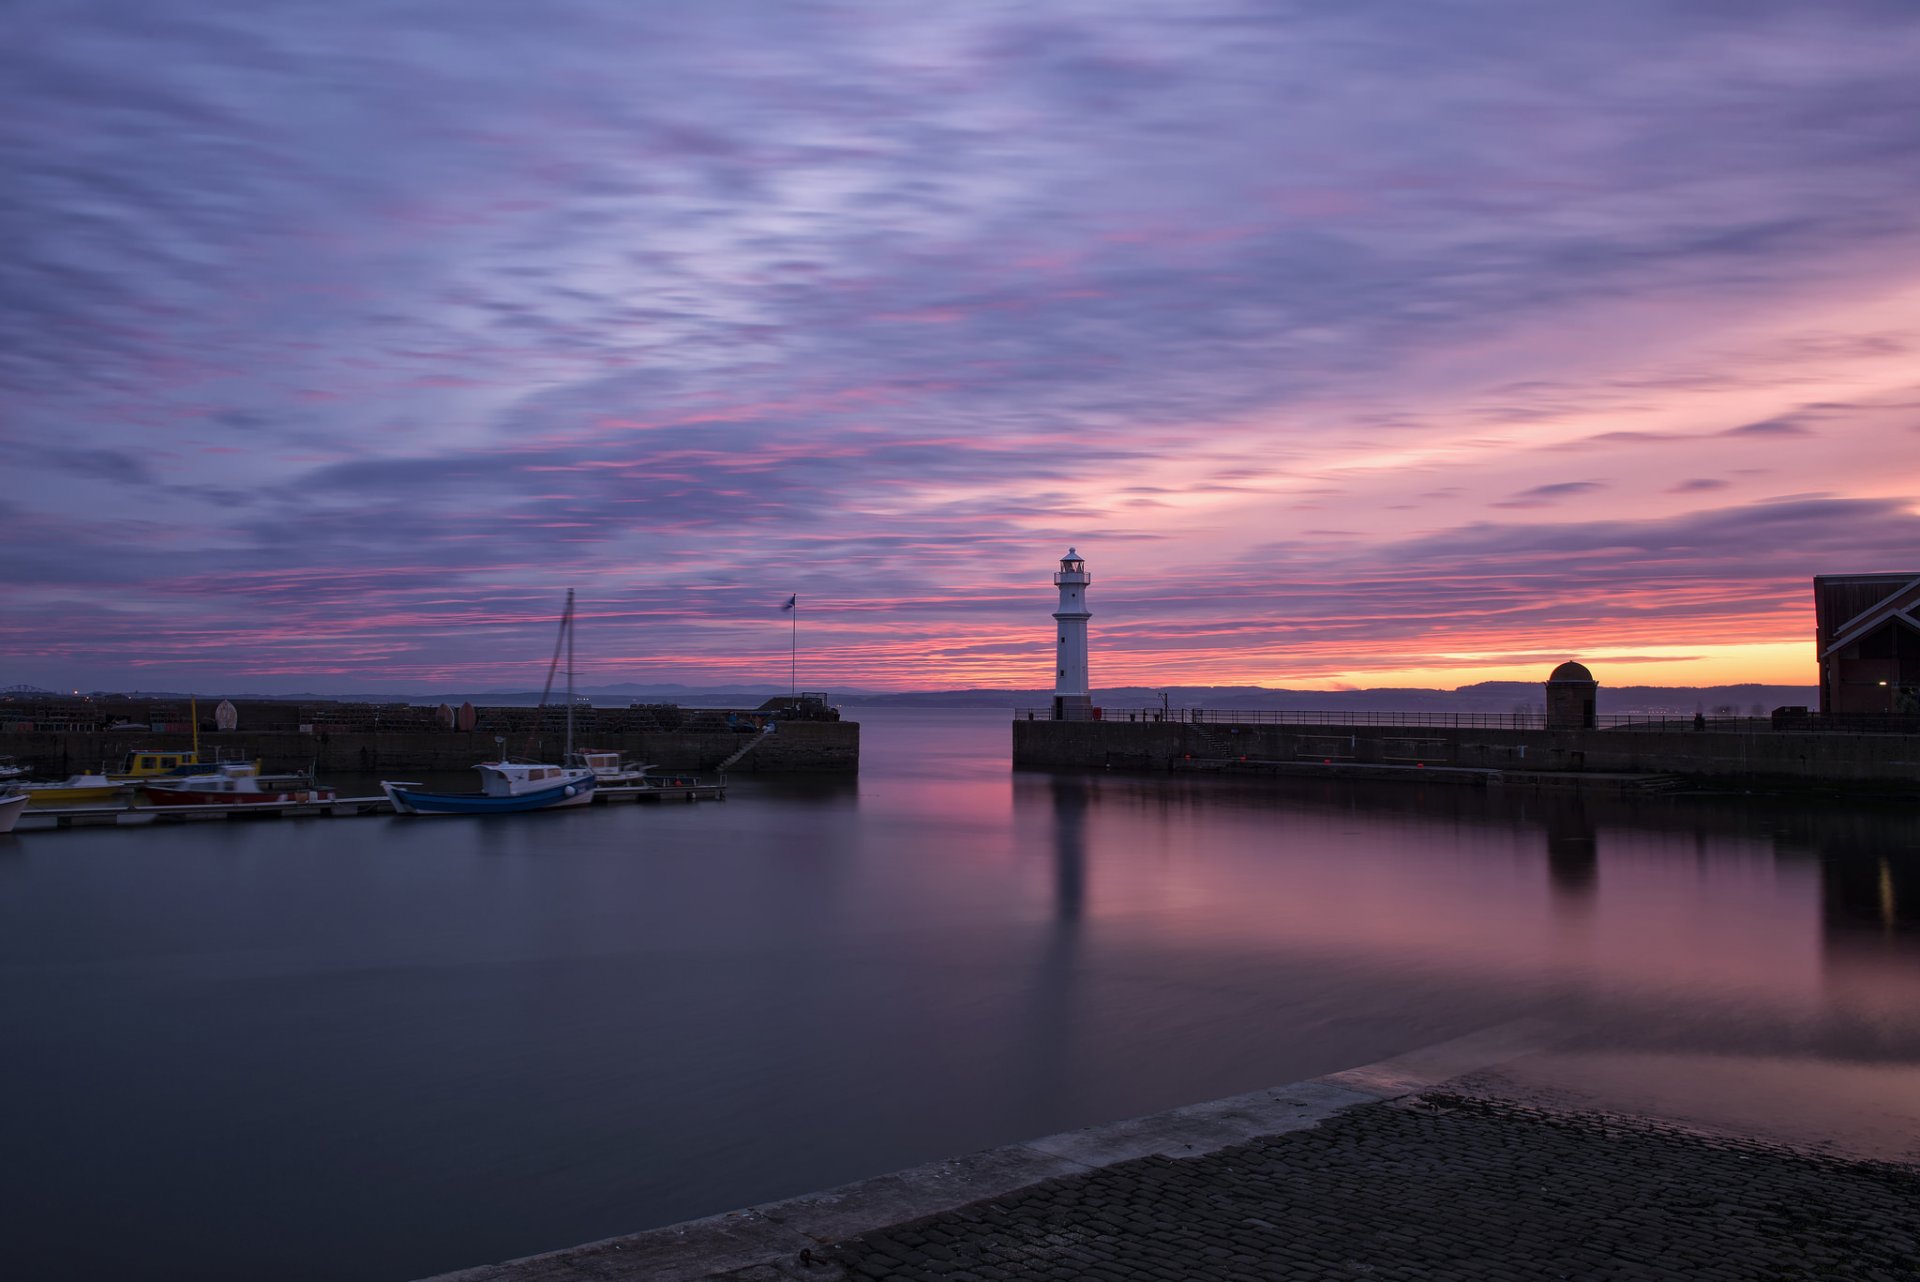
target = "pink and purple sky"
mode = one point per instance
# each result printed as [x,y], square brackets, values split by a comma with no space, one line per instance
[1392,343]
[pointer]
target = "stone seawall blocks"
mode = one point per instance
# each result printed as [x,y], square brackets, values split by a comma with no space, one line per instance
[1873,762]
[795,747]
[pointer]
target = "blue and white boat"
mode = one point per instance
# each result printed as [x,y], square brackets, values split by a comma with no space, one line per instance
[507,787]
[511,787]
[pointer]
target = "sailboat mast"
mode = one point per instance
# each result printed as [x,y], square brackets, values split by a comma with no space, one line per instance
[567,623]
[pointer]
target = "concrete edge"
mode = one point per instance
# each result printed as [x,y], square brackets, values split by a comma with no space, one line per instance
[776,1232]
[1426,1068]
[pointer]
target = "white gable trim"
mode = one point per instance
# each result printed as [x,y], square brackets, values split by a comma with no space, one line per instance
[1898,605]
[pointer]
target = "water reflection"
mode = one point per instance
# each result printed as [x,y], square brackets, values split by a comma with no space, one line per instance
[1054,1033]
[1867,889]
[1870,911]
[1573,851]
[1660,908]
[1069,849]
[529,1034]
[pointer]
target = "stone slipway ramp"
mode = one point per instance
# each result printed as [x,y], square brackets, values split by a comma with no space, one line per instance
[1376,1173]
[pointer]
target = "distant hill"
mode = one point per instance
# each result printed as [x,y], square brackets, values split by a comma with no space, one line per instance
[1485,696]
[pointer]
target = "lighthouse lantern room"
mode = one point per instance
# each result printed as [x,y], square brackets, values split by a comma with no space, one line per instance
[1071,698]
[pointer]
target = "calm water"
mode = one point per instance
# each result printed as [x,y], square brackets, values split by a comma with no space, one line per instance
[382,1048]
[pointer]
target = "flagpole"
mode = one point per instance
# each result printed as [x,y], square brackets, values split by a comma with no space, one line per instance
[793,652]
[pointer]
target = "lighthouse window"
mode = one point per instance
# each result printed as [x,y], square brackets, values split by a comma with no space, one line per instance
[1063,672]
[1063,639]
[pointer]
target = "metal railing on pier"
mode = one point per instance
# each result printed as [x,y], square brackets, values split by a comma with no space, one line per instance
[87,715]
[1305,717]
[1527,720]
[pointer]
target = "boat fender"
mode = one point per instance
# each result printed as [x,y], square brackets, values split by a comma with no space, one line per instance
[569,790]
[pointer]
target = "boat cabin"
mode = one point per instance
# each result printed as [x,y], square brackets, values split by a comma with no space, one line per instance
[142,764]
[517,779]
[608,767]
[146,763]
[225,776]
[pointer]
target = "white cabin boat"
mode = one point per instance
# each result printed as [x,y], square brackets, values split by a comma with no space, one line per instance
[506,787]
[11,804]
[608,769]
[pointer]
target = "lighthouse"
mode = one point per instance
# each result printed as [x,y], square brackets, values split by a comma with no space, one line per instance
[1071,700]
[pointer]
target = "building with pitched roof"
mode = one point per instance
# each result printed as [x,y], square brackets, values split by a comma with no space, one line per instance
[1868,638]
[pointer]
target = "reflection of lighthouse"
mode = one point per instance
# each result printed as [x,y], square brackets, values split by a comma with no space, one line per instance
[1069,849]
[1071,700]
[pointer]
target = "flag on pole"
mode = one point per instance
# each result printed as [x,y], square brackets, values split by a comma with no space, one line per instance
[793,645]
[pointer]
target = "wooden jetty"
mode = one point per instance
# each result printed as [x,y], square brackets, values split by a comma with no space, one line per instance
[130,816]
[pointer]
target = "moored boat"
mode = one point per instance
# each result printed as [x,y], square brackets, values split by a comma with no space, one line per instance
[608,769]
[75,790]
[143,764]
[513,787]
[235,784]
[11,804]
[507,787]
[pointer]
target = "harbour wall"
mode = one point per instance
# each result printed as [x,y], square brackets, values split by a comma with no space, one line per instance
[1777,758]
[794,747]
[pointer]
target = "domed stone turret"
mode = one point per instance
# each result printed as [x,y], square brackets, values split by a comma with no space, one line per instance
[1571,692]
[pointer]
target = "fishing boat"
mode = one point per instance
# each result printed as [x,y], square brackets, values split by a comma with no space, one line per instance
[11,804]
[11,769]
[75,790]
[608,769]
[507,786]
[235,784]
[143,764]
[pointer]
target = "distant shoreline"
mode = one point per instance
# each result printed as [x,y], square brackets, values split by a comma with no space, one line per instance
[1484,697]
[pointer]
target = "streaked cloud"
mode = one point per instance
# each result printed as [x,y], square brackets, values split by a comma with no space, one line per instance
[336,343]
[1542,495]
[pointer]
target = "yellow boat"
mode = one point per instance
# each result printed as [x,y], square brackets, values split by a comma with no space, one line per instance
[143,764]
[78,790]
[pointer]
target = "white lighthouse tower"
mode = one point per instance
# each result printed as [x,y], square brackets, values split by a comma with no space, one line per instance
[1071,699]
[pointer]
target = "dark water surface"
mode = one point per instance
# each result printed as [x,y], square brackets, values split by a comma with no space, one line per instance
[380,1048]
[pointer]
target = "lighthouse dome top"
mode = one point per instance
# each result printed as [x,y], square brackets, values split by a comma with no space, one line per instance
[1571,671]
[1071,555]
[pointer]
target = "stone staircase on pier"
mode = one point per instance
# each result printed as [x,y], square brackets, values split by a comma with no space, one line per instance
[753,741]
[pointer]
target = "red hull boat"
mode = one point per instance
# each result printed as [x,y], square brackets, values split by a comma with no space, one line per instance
[235,787]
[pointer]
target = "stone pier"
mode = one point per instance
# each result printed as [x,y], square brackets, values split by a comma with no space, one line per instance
[1784,759]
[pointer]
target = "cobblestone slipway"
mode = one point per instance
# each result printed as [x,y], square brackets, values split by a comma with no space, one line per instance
[1411,1169]
[1436,1187]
